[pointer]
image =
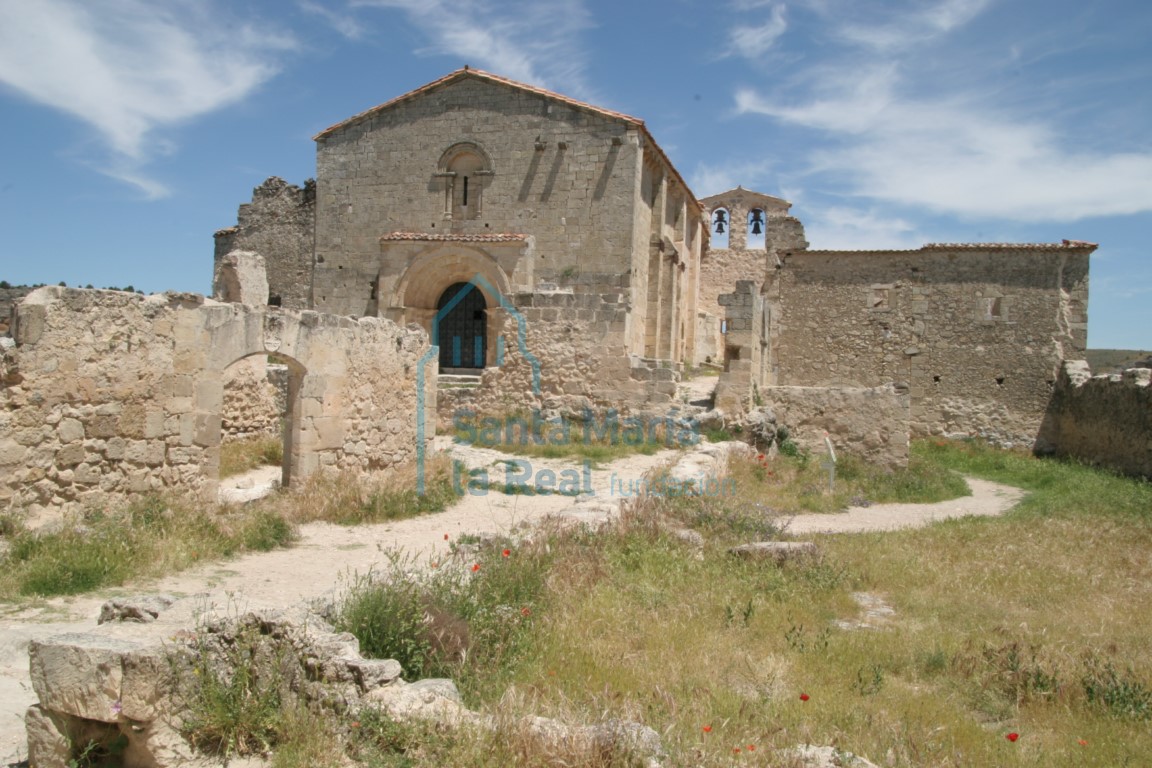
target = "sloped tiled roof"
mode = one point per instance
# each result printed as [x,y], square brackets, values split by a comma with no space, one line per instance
[480,237]
[1063,245]
[479,74]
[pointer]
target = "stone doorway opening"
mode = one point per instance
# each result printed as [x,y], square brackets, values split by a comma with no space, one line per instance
[258,447]
[460,329]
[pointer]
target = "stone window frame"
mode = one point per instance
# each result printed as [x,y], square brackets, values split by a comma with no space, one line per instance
[444,170]
[881,297]
[992,307]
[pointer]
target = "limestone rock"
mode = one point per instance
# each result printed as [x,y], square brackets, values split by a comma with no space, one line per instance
[142,609]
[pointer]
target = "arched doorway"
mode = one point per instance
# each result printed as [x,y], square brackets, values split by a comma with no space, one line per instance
[460,328]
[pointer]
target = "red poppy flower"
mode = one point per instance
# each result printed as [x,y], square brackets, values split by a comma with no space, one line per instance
[803,697]
[506,552]
[445,537]
[707,729]
[475,567]
[1012,736]
[1081,742]
[761,457]
[525,612]
[735,750]
[356,724]
[751,747]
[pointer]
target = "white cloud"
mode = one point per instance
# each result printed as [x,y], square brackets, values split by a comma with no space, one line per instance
[885,25]
[895,131]
[534,41]
[127,67]
[961,157]
[708,180]
[344,24]
[836,228]
[754,40]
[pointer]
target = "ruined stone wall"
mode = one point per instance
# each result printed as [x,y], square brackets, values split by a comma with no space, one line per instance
[255,399]
[9,297]
[279,225]
[1103,420]
[563,174]
[107,394]
[868,423]
[719,271]
[743,350]
[976,331]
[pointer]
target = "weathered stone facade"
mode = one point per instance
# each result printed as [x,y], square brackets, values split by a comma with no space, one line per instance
[1104,420]
[108,394]
[570,218]
[279,225]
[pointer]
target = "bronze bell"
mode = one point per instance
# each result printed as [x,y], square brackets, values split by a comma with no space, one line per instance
[720,222]
[757,220]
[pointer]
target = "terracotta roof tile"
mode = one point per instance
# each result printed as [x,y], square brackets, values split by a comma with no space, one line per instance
[1065,244]
[483,237]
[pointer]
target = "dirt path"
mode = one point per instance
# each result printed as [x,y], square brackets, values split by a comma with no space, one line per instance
[987,499]
[327,556]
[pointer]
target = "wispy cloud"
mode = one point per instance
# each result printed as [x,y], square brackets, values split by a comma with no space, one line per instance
[754,40]
[128,67]
[966,148]
[886,26]
[345,24]
[838,227]
[712,179]
[536,41]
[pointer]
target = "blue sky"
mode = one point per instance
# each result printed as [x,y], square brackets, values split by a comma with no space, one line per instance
[133,129]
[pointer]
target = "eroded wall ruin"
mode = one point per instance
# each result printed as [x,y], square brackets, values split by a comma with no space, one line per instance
[108,394]
[1104,420]
[977,332]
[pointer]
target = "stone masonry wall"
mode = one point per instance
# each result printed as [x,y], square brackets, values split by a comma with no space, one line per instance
[254,404]
[9,297]
[1102,420]
[279,224]
[565,175]
[109,394]
[577,344]
[976,331]
[869,423]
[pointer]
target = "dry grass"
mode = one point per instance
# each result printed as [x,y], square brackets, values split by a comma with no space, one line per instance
[240,456]
[1035,623]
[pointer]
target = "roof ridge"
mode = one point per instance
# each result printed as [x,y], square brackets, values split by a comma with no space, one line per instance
[469,71]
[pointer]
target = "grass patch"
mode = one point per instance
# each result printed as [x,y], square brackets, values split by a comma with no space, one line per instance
[151,537]
[240,456]
[154,535]
[1033,623]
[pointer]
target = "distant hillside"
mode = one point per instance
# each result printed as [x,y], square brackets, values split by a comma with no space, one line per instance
[1116,360]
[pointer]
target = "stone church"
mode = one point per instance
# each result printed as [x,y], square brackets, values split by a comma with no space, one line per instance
[557,258]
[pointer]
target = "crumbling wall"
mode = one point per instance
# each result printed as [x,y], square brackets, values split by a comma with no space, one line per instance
[1103,420]
[743,338]
[279,224]
[9,297]
[976,331]
[108,394]
[255,399]
[870,423]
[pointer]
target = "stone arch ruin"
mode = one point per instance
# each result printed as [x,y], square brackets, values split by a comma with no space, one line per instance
[117,393]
